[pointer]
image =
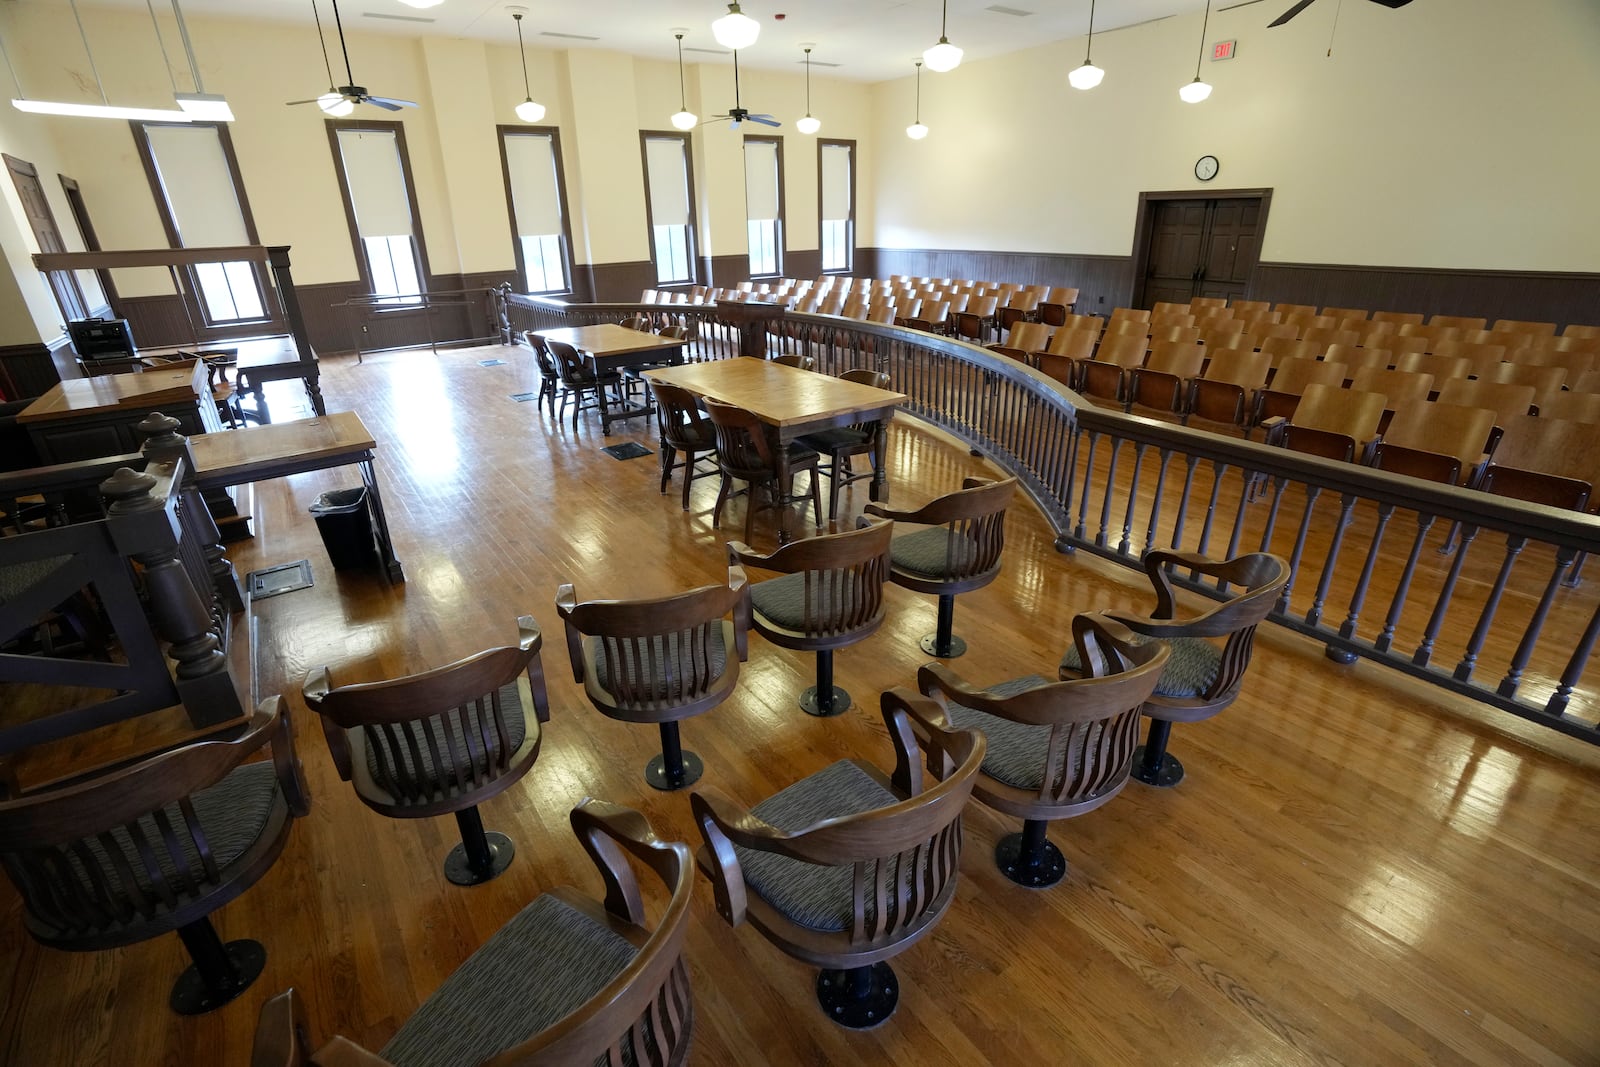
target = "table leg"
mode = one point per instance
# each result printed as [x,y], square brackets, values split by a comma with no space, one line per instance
[878,489]
[391,566]
[785,484]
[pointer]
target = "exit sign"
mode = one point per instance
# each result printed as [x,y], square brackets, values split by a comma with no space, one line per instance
[1224,49]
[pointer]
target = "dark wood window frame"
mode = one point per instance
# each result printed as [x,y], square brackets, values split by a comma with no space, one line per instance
[850,258]
[554,133]
[783,222]
[424,272]
[693,226]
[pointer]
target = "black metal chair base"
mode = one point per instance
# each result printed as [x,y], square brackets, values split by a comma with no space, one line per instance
[655,773]
[812,706]
[860,998]
[193,995]
[1046,869]
[930,645]
[460,871]
[1166,775]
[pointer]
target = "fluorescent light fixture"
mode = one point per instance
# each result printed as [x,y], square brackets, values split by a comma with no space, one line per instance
[735,30]
[205,107]
[335,104]
[100,111]
[1194,92]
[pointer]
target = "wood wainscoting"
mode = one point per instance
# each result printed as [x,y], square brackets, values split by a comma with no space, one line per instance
[1539,296]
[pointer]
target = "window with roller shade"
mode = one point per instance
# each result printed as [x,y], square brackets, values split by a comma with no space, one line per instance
[197,187]
[763,197]
[670,185]
[836,182]
[375,177]
[531,157]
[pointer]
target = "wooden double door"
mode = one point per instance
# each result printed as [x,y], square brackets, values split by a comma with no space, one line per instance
[1199,247]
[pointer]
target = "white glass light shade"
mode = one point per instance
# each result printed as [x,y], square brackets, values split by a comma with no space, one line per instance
[1086,76]
[685,120]
[100,111]
[808,124]
[335,104]
[528,111]
[735,29]
[942,57]
[916,131]
[1194,92]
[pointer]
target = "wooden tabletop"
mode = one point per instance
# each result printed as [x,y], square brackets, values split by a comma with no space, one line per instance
[80,396]
[609,339]
[236,456]
[776,394]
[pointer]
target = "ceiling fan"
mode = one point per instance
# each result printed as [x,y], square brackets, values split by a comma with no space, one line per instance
[1303,4]
[738,114]
[340,100]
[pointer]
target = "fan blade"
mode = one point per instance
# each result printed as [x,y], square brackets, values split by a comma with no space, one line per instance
[378,102]
[765,120]
[1289,14]
[292,103]
[715,118]
[391,102]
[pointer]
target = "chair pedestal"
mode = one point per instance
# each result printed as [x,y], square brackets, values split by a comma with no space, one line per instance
[219,973]
[481,856]
[674,768]
[942,644]
[861,997]
[1151,763]
[825,699]
[1029,858]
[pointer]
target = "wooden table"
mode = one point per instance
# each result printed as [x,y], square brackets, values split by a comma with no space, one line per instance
[257,453]
[610,348]
[86,418]
[791,403]
[257,360]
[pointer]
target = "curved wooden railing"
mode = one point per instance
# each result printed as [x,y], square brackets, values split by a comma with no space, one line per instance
[1474,593]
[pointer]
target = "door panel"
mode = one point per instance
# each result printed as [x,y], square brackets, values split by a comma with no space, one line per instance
[1201,248]
[1177,237]
[25,176]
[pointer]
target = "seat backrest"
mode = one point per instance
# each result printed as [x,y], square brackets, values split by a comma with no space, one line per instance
[742,447]
[1507,400]
[1357,359]
[1331,335]
[1295,374]
[1346,313]
[1397,317]
[678,332]
[1541,329]
[1122,350]
[1481,358]
[1354,413]
[1074,344]
[1237,366]
[1546,381]
[569,364]
[679,417]
[1402,387]
[1440,367]
[1555,447]
[1085,322]
[844,576]
[974,518]
[636,322]
[1463,322]
[1246,308]
[866,376]
[1180,359]
[1029,336]
[1185,334]
[799,362]
[1129,315]
[1447,429]
[1575,407]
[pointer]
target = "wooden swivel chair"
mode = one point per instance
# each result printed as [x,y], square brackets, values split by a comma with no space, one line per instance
[849,867]
[444,740]
[660,660]
[745,453]
[157,846]
[568,980]
[829,596]
[683,428]
[1056,749]
[958,552]
[1201,679]
[841,443]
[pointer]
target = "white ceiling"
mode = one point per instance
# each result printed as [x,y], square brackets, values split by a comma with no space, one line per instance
[870,40]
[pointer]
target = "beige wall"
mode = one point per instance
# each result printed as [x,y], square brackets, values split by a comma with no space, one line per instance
[1458,135]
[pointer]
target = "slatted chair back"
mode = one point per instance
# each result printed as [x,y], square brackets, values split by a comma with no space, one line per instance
[678,332]
[1440,367]
[1461,322]
[636,322]
[1400,386]
[971,537]
[742,448]
[575,373]
[795,360]
[681,422]
[1439,442]
[1398,317]
[841,589]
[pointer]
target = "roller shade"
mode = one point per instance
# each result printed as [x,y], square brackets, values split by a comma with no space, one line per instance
[761,179]
[198,185]
[531,163]
[377,183]
[669,183]
[835,182]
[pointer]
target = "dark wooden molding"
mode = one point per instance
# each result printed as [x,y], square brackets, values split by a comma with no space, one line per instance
[645,136]
[91,241]
[1146,212]
[554,133]
[377,126]
[824,142]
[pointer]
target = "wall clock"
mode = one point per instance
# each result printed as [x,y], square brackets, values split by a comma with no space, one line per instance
[1206,167]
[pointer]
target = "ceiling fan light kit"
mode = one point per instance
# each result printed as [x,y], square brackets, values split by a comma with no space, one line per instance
[340,100]
[1088,75]
[335,104]
[944,56]
[528,110]
[735,30]
[1198,90]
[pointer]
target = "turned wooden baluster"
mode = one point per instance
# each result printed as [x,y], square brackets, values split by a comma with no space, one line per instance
[163,444]
[1480,633]
[1580,659]
[1155,506]
[1133,498]
[1347,503]
[1183,500]
[1397,605]
[1105,498]
[1519,662]
[1359,598]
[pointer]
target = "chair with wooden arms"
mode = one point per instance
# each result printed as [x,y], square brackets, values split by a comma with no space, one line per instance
[156,846]
[638,321]
[828,595]
[683,428]
[579,380]
[959,551]
[841,443]
[796,361]
[568,981]
[744,453]
[1225,391]
[1056,749]
[1202,678]
[660,660]
[849,867]
[549,374]
[1331,422]
[444,740]
[1440,442]
[1164,378]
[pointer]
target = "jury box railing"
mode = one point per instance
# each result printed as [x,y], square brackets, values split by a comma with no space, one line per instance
[1474,593]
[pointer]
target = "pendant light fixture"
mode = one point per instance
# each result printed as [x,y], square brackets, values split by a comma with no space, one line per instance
[808,124]
[735,30]
[1198,90]
[684,119]
[103,110]
[917,131]
[527,111]
[943,56]
[1088,75]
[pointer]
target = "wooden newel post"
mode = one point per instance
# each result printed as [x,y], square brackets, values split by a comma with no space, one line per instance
[164,444]
[753,321]
[500,314]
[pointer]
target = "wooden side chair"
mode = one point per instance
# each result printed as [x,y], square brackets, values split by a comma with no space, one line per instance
[849,867]
[568,980]
[1201,678]
[157,846]
[959,551]
[549,372]
[829,596]
[797,361]
[1288,383]
[579,380]
[1056,749]
[1440,442]
[682,427]
[841,443]
[1163,380]
[745,453]
[1333,423]
[660,660]
[444,740]
[639,322]
[1225,391]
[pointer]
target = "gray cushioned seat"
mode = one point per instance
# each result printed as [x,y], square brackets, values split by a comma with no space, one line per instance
[928,552]
[1017,750]
[783,599]
[18,578]
[547,962]
[1190,670]
[812,895]
[664,653]
[401,755]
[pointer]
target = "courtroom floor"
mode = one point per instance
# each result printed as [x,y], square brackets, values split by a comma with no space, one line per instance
[1357,869]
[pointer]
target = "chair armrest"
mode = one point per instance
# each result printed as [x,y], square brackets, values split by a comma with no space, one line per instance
[714,813]
[280,1033]
[291,775]
[318,684]
[1146,626]
[566,604]
[743,613]
[739,552]
[606,830]
[529,636]
[342,1052]
[937,681]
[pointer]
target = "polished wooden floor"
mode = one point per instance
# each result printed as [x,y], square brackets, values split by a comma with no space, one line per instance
[1356,870]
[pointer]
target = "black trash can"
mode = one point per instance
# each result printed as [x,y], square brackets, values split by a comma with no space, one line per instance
[344,519]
